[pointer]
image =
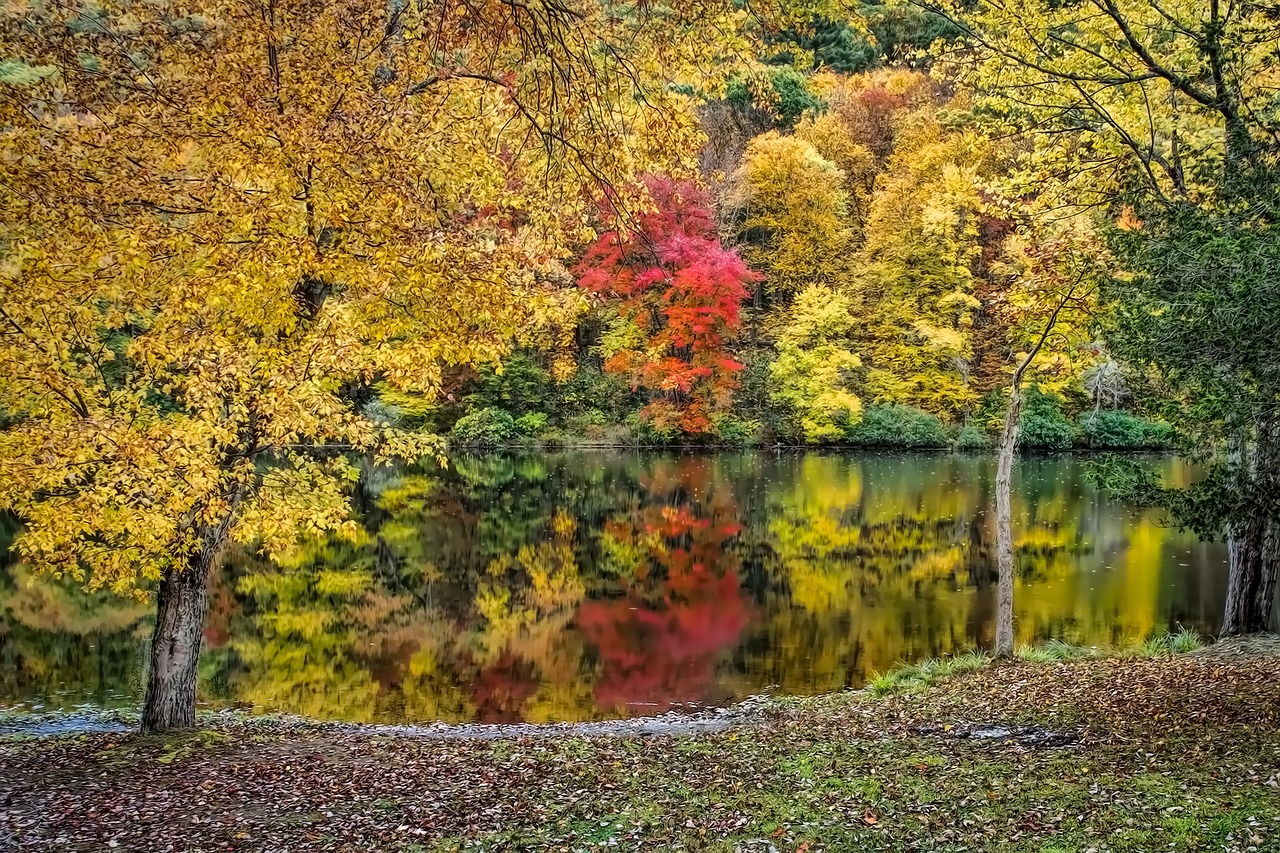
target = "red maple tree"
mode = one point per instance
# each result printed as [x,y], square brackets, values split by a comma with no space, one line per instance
[683,290]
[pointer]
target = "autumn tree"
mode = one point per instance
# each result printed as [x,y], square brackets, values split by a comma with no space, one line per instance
[791,207]
[222,222]
[1170,108]
[924,251]
[678,293]
[859,128]
[810,375]
[1052,298]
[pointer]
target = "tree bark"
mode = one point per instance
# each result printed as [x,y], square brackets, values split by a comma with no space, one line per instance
[1253,543]
[175,643]
[1004,521]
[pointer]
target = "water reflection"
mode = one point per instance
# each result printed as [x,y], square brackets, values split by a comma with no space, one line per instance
[588,585]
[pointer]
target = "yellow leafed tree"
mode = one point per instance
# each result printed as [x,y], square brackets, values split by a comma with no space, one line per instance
[223,222]
[923,246]
[793,208]
[809,375]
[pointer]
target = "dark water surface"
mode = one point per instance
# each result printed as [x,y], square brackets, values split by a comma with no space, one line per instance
[583,586]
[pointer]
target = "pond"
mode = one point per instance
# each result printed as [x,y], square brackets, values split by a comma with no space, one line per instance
[595,585]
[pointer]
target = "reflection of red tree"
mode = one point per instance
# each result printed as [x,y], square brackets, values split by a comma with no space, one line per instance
[223,607]
[500,691]
[659,643]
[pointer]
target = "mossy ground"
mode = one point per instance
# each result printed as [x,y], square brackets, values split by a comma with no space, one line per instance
[1158,751]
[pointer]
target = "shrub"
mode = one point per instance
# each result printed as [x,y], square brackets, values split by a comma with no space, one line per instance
[520,386]
[1118,430]
[589,388]
[897,426]
[971,437]
[1043,426]
[488,426]
[643,431]
[737,432]
[581,424]
[751,398]
[531,424]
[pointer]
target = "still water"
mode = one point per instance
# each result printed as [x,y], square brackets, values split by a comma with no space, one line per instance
[583,586]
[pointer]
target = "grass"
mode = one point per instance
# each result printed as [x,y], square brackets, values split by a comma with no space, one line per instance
[1054,651]
[1178,643]
[912,677]
[909,678]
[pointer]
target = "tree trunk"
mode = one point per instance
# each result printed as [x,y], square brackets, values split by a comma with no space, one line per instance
[175,642]
[1004,482]
[1004,522]
[1254,543]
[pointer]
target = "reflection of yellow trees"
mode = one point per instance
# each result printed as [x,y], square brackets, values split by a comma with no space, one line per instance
[1089,576]
[1095,597]
[301,657]
[885,571]
[360,631]
[55,638]
[1138,589]
[809,531]
[869,564]
[527,599]
[64,608]
[429,686]
[632,578]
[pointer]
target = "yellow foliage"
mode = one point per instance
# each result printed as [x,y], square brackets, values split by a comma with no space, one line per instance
[793,212]
[923,246]
[833,139]
[232,221]
[809,376]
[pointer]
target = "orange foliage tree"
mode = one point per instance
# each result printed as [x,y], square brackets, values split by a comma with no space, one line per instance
[678,293]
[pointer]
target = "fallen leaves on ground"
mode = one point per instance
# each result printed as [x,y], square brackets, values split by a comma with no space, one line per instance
[1171,753]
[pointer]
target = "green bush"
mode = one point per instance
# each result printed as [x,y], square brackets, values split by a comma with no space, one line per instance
[519,388]
[1118,430]
[582,423]
[751,398]
[972,437]
[737,432]
[897,426]
[590,388]
[531,424]
[488,426]
[1042,425]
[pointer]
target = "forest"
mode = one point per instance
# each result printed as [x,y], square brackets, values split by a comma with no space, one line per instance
[249,249]
[842,268]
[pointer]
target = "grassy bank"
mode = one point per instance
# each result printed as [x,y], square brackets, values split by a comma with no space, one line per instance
[1152,751]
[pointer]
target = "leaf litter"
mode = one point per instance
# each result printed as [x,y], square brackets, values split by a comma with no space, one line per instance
[1178,753]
